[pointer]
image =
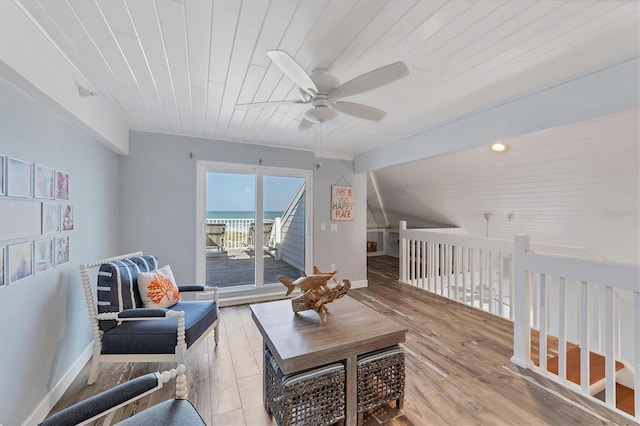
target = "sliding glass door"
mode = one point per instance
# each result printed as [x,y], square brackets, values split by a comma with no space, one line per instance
[230,217]
[283,229]
[253,225]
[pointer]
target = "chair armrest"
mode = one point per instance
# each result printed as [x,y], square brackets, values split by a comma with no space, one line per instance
[190,287]
[143,313]
[203,292]
[102,403]
[140,314]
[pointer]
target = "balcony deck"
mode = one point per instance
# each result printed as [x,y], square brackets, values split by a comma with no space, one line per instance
[236,267]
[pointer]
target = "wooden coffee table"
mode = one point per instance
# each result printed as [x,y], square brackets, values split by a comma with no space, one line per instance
[299,341]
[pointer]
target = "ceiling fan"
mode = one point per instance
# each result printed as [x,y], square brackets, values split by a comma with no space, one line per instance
[323,91]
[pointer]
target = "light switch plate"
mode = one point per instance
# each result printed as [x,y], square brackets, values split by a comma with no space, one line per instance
[334,227]
[323,226]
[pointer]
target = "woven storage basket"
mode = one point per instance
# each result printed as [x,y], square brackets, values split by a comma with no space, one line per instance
[312,397]
[380,378]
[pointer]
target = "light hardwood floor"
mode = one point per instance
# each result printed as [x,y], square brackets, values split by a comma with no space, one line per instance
[457,367]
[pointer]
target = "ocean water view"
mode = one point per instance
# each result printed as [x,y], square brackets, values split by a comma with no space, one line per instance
[268,215]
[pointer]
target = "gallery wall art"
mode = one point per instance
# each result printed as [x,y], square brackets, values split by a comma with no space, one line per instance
[2,263]
[62,250]
[43,258]
[43,182]
[20,261]
[2,189]
[67,217]
[35,219]
[62,185]
[18,178]
[50,218]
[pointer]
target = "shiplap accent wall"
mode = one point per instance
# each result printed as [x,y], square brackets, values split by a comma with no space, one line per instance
[574,185]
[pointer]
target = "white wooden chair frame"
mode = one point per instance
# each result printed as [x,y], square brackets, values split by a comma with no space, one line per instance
[177,373]
[94,317]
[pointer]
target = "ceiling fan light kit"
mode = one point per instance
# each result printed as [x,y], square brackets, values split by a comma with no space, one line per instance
[323,91]
[320,114]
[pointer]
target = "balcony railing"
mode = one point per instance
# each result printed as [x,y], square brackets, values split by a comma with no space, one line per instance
[239,232]
[236,235]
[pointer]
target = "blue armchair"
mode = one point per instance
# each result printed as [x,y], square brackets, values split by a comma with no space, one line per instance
[125,331]
[178,411]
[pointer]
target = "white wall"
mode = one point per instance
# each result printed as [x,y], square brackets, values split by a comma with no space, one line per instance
[44,326]
[158,197]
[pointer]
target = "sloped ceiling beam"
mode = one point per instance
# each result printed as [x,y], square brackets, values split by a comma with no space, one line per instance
[610,90]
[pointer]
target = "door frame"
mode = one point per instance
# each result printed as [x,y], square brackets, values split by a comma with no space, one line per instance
[204,167]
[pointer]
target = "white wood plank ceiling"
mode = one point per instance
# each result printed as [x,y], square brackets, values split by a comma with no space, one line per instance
[180,66]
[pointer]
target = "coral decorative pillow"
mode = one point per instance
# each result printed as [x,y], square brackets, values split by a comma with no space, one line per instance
[158,288]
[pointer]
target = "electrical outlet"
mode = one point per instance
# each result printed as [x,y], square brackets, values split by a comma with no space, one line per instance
[333,267]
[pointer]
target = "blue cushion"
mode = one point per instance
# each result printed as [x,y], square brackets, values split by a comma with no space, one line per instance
[159,336]
[379,354]
[118,285]
[293,379]
[174,412]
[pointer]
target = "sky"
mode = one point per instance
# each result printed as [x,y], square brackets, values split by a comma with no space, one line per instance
[236,192]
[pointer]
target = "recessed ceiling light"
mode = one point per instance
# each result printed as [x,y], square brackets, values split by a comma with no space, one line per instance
[498,147]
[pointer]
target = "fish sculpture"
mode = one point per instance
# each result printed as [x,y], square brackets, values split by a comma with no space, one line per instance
[307,282]
[316,292]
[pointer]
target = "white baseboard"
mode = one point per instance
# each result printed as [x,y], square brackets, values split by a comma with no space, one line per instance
[360,284]
[60,388]
[250,298]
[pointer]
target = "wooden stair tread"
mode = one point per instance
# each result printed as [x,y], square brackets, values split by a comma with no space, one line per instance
[596,366]
[625,399]
[552,346]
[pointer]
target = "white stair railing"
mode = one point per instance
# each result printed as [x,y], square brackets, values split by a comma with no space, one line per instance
[470,270]
[597,309]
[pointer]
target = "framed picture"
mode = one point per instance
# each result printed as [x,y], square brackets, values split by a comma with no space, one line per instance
[62,185]
[67,217]
[20,261]
[43,258]
[341,202]
[2,189]
[50,218]
[18,178]
[2,262]
[62,250]
[43,182]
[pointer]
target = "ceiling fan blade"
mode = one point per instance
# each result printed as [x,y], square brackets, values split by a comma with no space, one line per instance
[271,103]
[293,70]
[305,125]
[360,111]
[371,80]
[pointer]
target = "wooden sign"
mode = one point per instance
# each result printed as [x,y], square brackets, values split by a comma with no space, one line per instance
[341,202]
